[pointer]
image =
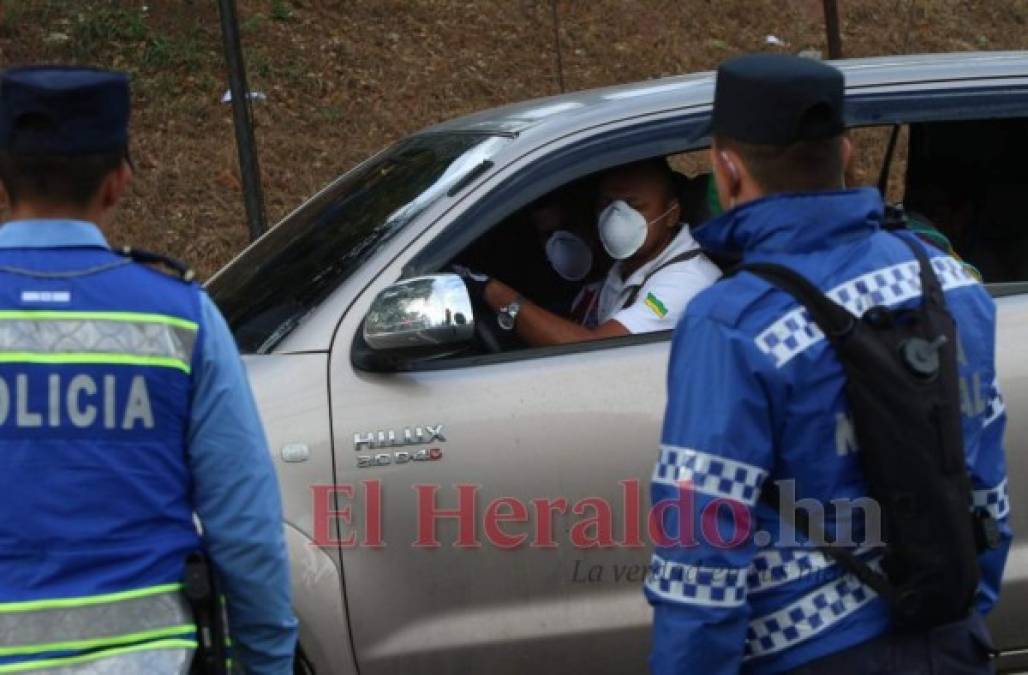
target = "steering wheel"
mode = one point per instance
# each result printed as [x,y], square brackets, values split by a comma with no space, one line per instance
[487,331]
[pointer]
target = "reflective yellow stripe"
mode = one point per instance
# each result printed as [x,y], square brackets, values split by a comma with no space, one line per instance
[71,645]
[96,656]
[100,316]
[120,338]
[97,622]
[88,357]
[82,601]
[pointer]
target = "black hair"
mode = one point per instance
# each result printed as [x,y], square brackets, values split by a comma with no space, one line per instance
[56,179]
[658,165]
[805,166]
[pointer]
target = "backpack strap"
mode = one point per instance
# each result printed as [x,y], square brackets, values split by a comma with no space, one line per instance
[800,522]
[931,291]
[635,288]
[833,320]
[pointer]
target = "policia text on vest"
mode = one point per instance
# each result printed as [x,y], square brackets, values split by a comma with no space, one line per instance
[80,401]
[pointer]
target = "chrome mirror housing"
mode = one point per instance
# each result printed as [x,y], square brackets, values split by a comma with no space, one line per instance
[428,311]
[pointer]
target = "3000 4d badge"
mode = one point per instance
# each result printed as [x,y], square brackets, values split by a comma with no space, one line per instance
[388,438]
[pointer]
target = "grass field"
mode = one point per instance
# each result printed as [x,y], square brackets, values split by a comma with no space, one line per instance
[345,77]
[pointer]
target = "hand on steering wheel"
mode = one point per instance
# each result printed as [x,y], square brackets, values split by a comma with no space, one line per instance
[486,328]
[474,281]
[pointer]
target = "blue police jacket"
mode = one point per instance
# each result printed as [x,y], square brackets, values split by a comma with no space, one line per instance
[754,394]
[124,411]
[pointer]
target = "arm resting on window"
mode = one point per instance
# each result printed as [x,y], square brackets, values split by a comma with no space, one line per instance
[539,327]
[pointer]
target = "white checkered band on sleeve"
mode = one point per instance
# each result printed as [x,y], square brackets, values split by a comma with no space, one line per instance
[812,614]
[995,407]
[795,332]
[773,567]
[709,474]
[696,584]
[995,500]
[952,273]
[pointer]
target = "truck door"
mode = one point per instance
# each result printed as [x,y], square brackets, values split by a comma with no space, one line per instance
[544,457]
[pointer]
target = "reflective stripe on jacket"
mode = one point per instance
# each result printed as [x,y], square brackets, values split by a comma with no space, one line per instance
[143,630]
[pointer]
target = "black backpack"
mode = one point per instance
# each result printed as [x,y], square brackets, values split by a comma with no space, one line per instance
[903,392]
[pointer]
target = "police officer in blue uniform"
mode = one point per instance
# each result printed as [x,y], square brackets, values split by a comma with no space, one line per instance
[124,412]
[756,394]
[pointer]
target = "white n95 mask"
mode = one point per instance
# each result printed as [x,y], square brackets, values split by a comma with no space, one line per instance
[570,257]
[623,229]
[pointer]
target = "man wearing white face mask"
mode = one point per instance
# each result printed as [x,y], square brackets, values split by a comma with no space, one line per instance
[659,266]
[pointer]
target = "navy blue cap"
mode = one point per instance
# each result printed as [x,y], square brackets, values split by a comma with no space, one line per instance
[62,110]
[777,99]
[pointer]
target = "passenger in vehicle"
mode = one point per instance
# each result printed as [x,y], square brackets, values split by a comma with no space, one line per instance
[659,266]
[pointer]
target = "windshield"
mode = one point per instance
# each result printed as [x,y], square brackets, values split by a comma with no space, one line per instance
[268,290]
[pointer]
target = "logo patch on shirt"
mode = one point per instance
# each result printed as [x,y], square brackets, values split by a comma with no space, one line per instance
[655,305]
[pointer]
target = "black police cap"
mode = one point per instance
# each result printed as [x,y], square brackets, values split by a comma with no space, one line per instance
[777,99]
[62,110]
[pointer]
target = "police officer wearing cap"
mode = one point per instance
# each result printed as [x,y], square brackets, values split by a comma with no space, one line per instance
[766,402]
[124,411]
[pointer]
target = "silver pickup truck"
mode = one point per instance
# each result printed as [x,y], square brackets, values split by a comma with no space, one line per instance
[455,503]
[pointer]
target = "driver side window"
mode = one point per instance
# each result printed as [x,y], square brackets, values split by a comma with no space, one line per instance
[607,255]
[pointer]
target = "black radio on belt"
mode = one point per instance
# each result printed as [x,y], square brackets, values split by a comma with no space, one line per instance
[201,590]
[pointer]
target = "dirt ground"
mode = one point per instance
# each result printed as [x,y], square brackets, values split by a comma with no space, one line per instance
[345,77]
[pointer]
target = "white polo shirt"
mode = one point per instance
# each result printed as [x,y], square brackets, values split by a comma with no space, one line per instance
[661,301]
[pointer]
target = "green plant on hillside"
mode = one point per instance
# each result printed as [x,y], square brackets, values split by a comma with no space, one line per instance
[184,51]
[100,28]
[280,10]
[17,13]
[251,24]
[331,113]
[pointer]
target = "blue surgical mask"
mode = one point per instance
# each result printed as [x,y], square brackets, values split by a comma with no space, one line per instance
[569,255]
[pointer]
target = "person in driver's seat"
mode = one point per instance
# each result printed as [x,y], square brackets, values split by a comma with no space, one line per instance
[659,266]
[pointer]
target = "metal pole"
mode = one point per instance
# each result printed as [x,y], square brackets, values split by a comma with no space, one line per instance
[242,115]
[832,29]
[557,45]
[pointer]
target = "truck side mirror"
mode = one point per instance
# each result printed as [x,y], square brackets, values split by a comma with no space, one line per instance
[419,317]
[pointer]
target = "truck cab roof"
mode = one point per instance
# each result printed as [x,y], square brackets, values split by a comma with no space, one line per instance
[552,115]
